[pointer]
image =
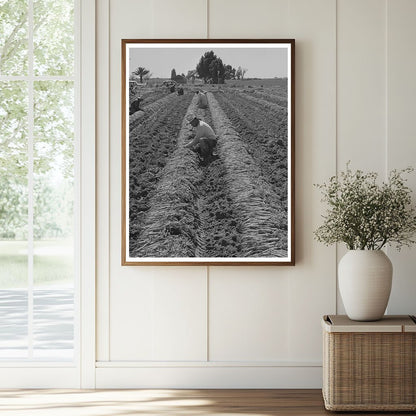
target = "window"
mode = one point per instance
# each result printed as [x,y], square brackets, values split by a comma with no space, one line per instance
[38,181]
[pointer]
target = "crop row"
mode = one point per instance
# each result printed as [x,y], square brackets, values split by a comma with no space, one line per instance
[150,146]
[169,227]
[230,208]
[265,137]
[263,215]
[276,108]
[149,95]
[276,94]
[220,224]
[272,115]
[150,110]
[269,96]
[190,213]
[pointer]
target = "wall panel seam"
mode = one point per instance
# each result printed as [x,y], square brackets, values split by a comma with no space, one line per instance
[336,141]
[88,194]
[386,97]
[207,12]
[108,314]
[207,313]
[103,179]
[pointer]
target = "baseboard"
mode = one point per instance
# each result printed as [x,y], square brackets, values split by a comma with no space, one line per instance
[39,378]
[209,377]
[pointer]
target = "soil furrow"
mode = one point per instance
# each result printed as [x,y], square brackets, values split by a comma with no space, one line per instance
[276,99]
[150,146]
[266,143]
[150,95]
[275,108]
[236,206]
[190,213]
[277,95]
[258,111]
[220,226]
[258,205]
[168,229]
[150,110]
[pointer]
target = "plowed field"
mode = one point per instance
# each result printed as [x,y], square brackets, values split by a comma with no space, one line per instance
[235,206]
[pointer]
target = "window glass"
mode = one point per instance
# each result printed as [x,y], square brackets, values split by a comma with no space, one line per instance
[37,181]
[53,198]
[53,37]
[13,37]
[13,219]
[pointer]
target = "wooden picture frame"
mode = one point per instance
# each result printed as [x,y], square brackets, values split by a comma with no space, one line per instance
[208,152]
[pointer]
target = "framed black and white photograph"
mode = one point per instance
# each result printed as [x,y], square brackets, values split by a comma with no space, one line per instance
[208,152]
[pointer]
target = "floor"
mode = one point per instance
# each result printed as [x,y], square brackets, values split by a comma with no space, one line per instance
[165,402]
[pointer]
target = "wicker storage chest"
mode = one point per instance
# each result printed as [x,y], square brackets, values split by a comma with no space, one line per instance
[369,366]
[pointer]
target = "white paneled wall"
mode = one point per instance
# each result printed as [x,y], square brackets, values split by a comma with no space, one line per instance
[248,19]
[254,326]
[401,131]
[361,88]
[311,283]
[361,84]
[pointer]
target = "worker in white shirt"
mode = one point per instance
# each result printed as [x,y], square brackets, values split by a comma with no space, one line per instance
[204,141]
[202,99]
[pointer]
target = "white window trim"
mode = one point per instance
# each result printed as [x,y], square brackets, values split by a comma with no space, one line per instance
[81,372]
[87,300]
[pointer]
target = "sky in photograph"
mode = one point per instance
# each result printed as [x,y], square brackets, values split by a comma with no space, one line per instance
[259,62]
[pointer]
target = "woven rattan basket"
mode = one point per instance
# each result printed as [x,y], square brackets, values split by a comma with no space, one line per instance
[369,366]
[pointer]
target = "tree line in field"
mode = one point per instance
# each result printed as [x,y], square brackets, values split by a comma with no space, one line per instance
[210,68]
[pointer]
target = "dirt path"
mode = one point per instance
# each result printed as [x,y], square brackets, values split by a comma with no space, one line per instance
[220,226]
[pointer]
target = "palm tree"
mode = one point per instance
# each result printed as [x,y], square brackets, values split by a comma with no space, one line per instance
[141,72]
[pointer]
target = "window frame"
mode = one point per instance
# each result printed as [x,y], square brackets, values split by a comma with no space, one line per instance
[81,371]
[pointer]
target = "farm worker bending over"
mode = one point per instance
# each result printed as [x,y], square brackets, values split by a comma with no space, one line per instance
[135,105]
[204,141]
[202,99]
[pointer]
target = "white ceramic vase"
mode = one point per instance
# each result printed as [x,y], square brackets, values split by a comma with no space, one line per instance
[364,278]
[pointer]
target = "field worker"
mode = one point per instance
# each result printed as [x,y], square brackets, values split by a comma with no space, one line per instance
[204,141]
[180,91]
[202,99]
[135,105]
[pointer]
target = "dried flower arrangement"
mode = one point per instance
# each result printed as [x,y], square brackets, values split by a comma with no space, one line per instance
[366,215]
